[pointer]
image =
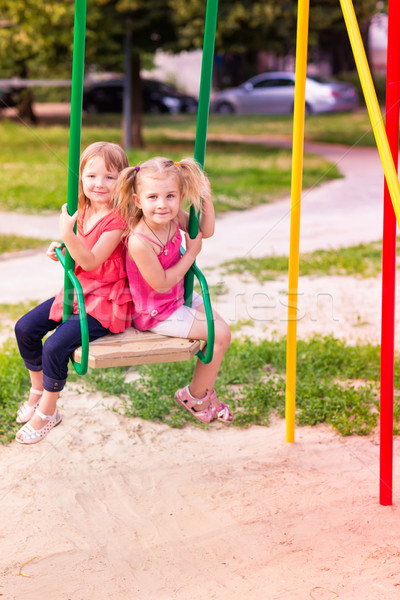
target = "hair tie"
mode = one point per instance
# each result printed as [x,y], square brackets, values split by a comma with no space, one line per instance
[177,164]
[137,169]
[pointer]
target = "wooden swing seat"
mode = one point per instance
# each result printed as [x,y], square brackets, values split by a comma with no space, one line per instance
[133,347]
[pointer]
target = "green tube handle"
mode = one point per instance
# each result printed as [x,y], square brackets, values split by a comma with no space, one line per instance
[82,367]
[208,356]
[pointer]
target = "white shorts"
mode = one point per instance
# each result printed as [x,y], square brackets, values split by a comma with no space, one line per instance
[180,322]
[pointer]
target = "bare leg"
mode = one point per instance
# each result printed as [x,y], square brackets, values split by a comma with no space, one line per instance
[204,376]
[28,407]
[37,384]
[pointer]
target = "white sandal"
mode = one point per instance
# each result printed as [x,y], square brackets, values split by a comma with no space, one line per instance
[26,411]
[31,435]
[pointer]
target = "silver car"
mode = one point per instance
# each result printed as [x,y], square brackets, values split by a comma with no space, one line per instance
[273,93]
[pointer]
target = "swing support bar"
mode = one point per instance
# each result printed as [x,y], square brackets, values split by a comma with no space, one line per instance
[78,60]
[202,118]
[82,367]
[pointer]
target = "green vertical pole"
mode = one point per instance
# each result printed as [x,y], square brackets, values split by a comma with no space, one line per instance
[78,61]
[202,118]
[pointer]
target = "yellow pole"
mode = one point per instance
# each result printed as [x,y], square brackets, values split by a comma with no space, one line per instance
[372,105]
[297,177]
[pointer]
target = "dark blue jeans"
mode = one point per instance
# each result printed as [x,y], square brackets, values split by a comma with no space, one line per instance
[51,357]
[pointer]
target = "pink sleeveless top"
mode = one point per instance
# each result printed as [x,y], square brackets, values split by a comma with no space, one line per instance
[106,291]
[150,306]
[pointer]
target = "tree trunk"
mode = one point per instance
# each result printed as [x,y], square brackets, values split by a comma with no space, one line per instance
[136,103]
[25,107]
[25,100]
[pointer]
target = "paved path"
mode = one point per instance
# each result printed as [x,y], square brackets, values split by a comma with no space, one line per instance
[338,213]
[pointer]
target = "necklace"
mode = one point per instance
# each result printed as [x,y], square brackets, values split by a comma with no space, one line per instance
[163,246]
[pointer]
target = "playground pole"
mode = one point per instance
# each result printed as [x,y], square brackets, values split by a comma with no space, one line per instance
[296,187]
[371,100]
[389,262]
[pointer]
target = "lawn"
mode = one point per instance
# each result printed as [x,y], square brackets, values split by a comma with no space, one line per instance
[35,162]
[363,260]
[337,384]
[16,243]
[350,129]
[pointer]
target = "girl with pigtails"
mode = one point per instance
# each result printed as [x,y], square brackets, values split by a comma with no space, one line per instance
[150,197]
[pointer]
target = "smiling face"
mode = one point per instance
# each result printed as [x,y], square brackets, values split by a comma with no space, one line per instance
[98,182]
[159,199]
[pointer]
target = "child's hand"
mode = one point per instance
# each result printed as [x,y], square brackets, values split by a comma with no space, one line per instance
[67,222]
[193,246]
[51,252]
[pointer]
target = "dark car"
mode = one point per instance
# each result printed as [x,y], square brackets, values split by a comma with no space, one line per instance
[9,97]
[158,97]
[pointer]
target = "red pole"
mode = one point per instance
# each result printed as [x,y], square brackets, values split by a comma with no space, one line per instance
[389,261]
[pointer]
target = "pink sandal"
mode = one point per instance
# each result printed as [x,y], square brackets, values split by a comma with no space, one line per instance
[204,411]
[221,411]
[26,411]
[31,435]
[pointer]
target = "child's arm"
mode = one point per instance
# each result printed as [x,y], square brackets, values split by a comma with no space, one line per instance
[207,216]
[149,265]
[85,258]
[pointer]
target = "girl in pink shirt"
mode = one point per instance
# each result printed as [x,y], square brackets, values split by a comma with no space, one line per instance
[150,198]
[100,267]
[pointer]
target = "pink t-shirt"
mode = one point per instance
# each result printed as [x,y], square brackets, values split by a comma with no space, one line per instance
[150,306]
[106,291]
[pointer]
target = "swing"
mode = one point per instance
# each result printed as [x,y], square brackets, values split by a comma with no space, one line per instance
[134,347]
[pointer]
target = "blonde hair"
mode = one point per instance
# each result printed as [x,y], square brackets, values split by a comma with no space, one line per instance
[191,180]
[114,158]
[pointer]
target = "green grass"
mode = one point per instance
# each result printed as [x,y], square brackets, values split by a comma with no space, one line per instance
[16,243]
[350,129]
[363,260]
[34,161]
[12,312]
[337,384]
[14,384]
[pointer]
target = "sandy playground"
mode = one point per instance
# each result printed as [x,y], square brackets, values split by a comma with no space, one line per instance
[113,508]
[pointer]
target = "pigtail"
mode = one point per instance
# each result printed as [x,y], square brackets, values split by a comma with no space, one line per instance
[123,202]
[194,181]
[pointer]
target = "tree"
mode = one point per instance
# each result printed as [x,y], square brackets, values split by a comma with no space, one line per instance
[150,26]
[34,38]
[329,32]
[243,28]
[248,27]
[39,36]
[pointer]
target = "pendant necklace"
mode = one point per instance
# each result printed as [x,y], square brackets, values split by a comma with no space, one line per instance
[163,246]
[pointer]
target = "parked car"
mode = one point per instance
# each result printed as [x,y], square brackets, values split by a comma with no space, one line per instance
[8,96]
[273,92]
[158,97]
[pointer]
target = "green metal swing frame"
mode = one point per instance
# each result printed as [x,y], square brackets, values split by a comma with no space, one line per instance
[71,282]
